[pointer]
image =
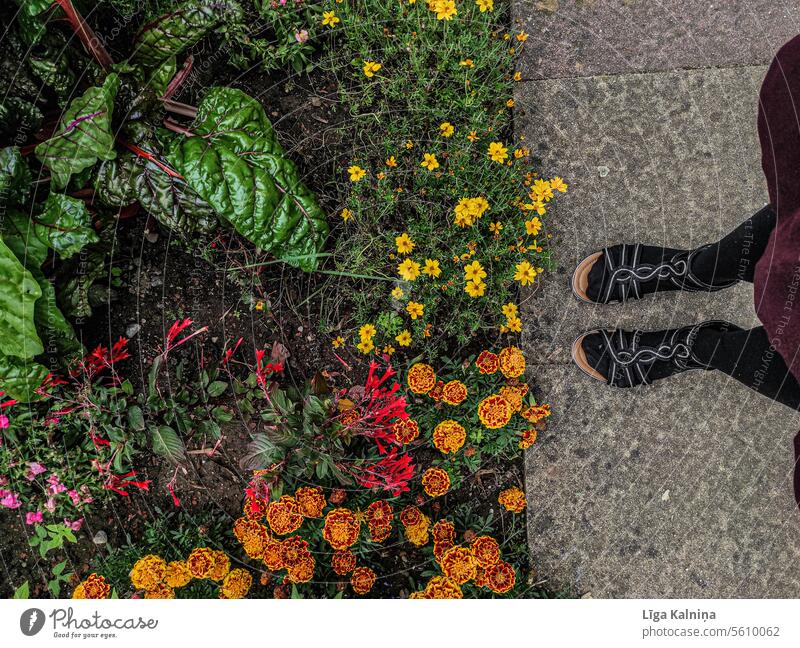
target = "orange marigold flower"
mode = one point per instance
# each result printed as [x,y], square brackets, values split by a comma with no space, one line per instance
[442,587]
[487,362]
[417,534]
[454,392]
[441,548]
[513,396]
[255,508]
[494,411]
[417,595]
[362,580]
[284,515]
[480,577]
[444,531]
[148,572]
[221,566]
[350,417]
[343,562]
[294,550]
[272,555]
[380,513]
[302,571]
[410,516]
[200,562]
[311,501]
[486,550]
[528,439]
[94,587]
[438,391]
[178,574]
[341,528]
[405,431]
[459,564]
[513,499]
[449,436]
[379,533]
[421,378]
[536,413]
[243,526]
[500,577]
[512,362]
[255,540]
[436,482]
[160,591]
[236,584]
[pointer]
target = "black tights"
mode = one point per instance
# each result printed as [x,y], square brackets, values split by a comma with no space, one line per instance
[746,356]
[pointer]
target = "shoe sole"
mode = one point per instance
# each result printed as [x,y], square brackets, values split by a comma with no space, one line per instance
[579,358]
[580,277]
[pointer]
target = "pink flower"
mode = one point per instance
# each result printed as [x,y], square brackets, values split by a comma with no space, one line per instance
[73,495]
[10,500]
[4,422]
[76,525]
[301,36]
[55,486]
[4,480]
[50,504]
[34,468]
[33,518]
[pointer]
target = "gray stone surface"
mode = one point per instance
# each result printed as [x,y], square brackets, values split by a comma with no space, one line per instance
[682,489]
[590,37]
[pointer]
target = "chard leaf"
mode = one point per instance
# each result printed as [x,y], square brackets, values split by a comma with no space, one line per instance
[20,377]
[235,162]
[173,32]
[73,296]
[18,294]
[15,178]
[169,199]
[84,134]
[65,224]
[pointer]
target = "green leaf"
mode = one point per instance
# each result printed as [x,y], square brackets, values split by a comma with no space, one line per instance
[74,294]
[136,418]
[216,388]
[18,294]
[182,27]
[237,165]
[15,177]
[34,7]
[170,200]
[65,224]
[162,75]
[167,443]
[261,453]
[22,592]
[84,134]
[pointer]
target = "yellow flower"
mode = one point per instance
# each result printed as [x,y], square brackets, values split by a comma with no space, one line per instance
[464,216]
[365,346]
[397,292]
[415,309]
[346,214]
[403,338]
[475,288]
[444,9]
[338,342]
[430,162]
[467,63]
[510,103]
[446,129]
[404,243]
[517,76]
[259,305]
[388,349]
[525,273]
[510,310]
[542,190]
[409,144]
[522,37]
[356,173]
[432,268]
[329,19]
[391,161]
[370,68]
[495,228]
[381,175]
[474,272]
[533,226]
[514,324]
[521,152]
[485,5]
[408,270]
[367,332]
[473,136]
[558,184]
[497,152]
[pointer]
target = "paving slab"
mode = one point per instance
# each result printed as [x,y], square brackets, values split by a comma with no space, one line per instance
[682,489]
[593,37]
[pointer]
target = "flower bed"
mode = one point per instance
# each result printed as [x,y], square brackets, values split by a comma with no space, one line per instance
[325,395]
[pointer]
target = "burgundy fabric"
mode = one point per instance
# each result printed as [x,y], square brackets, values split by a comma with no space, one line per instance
[777,276]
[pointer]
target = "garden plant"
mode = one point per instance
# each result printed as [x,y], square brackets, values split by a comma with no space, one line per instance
[263,271]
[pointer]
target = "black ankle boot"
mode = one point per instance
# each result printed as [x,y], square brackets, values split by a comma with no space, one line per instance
[631,271]
[631,358]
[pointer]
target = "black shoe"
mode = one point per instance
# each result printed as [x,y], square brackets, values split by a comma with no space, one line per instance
[631,271]
[630,358]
